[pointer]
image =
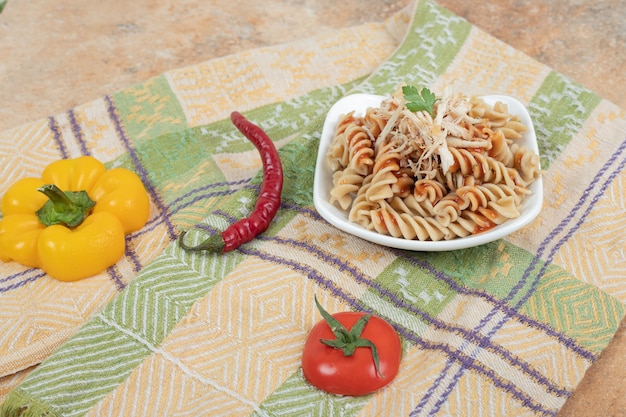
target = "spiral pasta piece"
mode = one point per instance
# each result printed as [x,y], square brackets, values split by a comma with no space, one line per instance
[512,129]
[498,191]
[388,221]
[362,206]
[496,114]
[374,121]
[500,149]
[526,162]
[426,193]
[499,197]
[385,170]
[448,209]
[345,183]
[338,154]
[484,168]
[361,152]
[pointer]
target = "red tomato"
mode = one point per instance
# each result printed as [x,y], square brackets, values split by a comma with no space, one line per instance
[328,369]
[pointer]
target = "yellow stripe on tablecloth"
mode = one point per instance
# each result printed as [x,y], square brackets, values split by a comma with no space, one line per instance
[211,90]
[418,371]
[566,180]
[31,142]
[486,65]
[29,336]
[596,250]
[471,394]
[99,129]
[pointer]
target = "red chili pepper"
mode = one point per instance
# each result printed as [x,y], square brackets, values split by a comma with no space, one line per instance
[267,203]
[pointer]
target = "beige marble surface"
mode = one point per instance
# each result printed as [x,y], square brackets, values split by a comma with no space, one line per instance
[58,54]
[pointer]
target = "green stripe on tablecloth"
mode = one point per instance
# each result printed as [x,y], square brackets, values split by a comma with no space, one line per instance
[175,156]
[153,304]
[99,355]
[559,109]
[574,308]
[549,296]
[149,109]
[107,348]
[296,397]
[495,267]
[435,37]
[417,287]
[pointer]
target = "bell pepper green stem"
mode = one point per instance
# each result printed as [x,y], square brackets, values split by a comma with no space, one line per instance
[69,208]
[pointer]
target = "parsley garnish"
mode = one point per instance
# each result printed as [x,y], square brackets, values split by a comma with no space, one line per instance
[418,101]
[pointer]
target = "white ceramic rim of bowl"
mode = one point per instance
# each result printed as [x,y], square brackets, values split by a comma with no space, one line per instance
[531,206]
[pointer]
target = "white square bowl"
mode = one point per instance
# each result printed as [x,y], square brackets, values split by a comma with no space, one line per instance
[531,206]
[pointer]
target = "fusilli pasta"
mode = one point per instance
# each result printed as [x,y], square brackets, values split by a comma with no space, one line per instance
[445,174]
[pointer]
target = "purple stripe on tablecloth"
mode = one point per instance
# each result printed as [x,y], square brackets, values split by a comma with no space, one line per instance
[497,303]
[33,274]
[438,381]
[38,273]
[542,248]
[141,171]
[207,187]
[131,255]
[112,272]
[54,128]
[205,196]
[153,223]
[78,133]
[304,210]
[15,276]
[25,277]
[115,276]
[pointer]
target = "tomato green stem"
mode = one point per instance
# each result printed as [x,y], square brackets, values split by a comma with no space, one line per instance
[348,340]
[69,208]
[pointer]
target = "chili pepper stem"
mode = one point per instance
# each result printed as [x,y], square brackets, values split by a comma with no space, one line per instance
[214,243]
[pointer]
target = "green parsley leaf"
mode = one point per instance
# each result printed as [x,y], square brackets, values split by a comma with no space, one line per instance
[424,100]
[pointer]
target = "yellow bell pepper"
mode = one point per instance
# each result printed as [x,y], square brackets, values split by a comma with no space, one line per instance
[72,221]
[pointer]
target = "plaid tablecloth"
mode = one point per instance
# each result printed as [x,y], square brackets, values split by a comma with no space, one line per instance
[506,328]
